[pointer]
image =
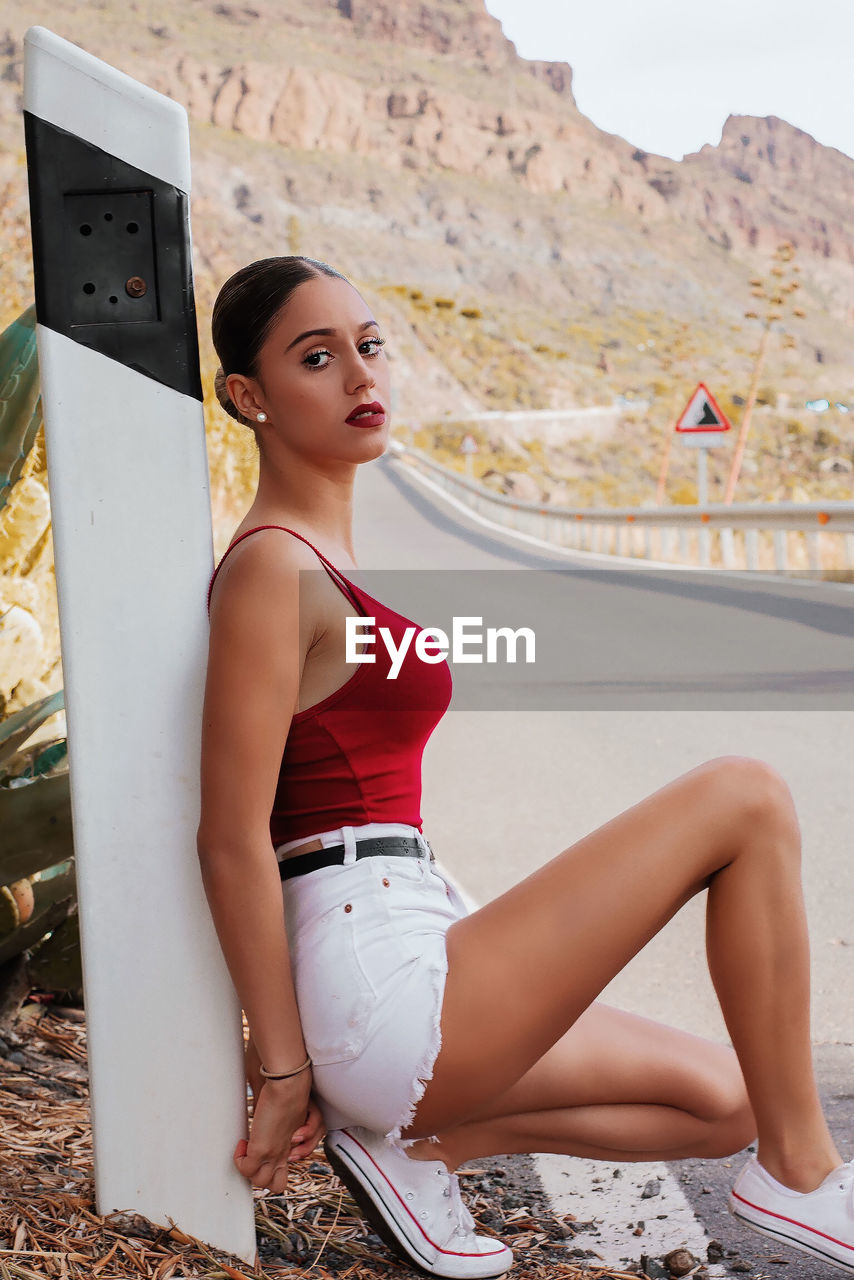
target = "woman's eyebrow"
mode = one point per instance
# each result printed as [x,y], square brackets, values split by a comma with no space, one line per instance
[326,333]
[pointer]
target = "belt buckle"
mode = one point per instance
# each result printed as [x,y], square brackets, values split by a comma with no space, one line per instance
[432,857]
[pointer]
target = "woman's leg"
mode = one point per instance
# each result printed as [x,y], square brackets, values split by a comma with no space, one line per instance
[616,1086]
[523,968]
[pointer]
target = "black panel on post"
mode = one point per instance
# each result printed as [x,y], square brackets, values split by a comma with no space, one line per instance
[112,257]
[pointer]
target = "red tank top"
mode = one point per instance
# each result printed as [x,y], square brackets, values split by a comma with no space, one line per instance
[355,757]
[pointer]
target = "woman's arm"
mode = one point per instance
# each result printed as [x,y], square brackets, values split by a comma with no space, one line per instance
[252,1062]
[258,644]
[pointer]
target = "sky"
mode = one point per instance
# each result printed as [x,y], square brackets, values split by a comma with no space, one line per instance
[665,74]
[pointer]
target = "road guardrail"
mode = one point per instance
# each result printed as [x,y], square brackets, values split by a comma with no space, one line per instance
[781,536]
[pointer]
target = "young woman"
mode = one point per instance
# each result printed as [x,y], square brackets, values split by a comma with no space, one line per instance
[421,1036]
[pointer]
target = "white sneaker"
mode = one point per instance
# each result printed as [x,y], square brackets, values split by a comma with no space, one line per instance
[415,1206]
[820,1222]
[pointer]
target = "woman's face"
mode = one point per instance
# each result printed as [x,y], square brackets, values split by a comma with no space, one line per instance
[322,365]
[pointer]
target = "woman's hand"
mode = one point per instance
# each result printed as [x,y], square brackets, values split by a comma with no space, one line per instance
[286,1125]
[306,1138]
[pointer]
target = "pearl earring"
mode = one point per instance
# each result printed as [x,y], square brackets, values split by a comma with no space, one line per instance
[262,417]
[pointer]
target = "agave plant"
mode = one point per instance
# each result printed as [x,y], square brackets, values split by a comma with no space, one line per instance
[20,402]
[38,895]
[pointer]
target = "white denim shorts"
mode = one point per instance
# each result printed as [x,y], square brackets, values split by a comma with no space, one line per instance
[367,945]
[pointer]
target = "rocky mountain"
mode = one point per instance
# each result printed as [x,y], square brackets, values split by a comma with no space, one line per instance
[519,254]
[362,93]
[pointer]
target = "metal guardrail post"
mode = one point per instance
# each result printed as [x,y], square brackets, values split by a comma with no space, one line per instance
[751,540]
[728,548]
[780,550]
[705,546]
[684,550]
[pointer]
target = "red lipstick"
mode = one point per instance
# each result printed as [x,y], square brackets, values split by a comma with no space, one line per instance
[367,415]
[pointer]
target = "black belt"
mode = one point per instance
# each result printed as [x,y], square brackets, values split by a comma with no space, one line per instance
[372,846]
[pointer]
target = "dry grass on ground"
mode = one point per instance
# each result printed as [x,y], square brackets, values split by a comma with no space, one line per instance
[49,1226]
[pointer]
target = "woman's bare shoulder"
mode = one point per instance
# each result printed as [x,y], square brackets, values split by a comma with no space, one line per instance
[262,565]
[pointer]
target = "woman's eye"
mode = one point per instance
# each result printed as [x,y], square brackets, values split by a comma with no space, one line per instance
[315,359]
[320,359]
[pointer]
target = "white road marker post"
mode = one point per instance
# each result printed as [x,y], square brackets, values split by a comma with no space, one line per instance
[109,172]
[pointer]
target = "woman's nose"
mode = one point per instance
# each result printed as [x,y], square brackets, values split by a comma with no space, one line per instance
[362,375]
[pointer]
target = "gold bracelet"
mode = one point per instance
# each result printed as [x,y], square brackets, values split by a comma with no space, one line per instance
[285,1075]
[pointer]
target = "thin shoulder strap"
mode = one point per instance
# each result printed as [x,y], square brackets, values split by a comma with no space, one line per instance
[327,564]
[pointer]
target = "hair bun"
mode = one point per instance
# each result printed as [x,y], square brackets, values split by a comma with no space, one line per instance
[224,398]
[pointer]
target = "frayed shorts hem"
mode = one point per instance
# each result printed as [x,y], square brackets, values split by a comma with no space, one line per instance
[362,1107]
[367,943]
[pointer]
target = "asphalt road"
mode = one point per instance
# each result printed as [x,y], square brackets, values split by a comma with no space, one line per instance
[509,787]
[705,1183]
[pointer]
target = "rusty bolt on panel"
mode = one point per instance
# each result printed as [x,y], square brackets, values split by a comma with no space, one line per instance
[136,287]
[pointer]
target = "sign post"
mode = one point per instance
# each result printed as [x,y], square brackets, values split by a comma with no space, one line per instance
[109,175]
[703,425]
[469,448]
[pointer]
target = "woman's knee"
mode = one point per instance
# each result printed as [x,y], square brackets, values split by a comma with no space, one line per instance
[726,1107]
[733,1130]
[757,798]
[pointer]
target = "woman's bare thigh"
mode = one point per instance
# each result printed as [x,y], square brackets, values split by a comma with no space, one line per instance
[524,967]
[611,1056]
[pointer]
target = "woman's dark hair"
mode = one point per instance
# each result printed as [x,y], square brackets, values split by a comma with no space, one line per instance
[244,313]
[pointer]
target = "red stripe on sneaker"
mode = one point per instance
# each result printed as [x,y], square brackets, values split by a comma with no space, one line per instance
[450,1252]
[803,1225]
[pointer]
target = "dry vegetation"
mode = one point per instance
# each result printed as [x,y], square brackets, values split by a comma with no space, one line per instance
[790,458]
[793,454]
[49,1226]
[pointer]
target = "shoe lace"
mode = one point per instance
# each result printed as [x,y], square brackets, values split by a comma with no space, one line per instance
[456,1209]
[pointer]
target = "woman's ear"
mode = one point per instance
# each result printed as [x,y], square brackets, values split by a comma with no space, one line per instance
[242,395]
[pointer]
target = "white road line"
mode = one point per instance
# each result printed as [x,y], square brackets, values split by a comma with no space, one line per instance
[610,1195]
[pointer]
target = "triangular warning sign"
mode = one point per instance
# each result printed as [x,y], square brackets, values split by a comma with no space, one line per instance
[703,413]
